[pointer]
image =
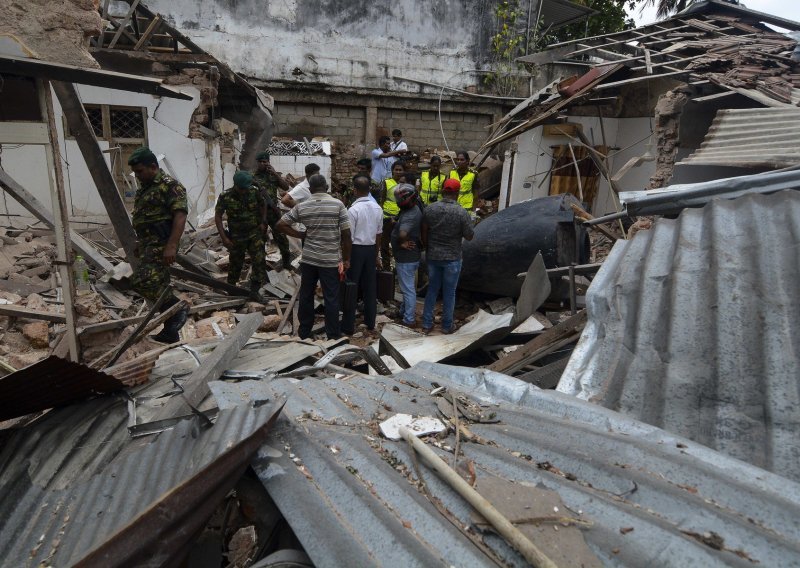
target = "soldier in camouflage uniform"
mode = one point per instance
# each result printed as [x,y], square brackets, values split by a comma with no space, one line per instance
[246,211]
[159,217]
[266,179]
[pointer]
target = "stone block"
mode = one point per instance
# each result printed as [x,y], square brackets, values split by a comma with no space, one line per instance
[322,111]
[305,110]
[397,113]
[340,112]
[469,118]
[37,333]
[413,115]
[270,323]
[356,113]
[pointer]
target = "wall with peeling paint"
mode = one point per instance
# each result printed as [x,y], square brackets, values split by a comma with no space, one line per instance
[347,43]
[168,134]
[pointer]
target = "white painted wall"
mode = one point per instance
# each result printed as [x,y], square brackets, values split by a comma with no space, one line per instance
[350,43]
[627,136]
[189,160]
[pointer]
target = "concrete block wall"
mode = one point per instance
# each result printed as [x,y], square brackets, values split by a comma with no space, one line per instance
[345,125]
[295,120]
[421,129]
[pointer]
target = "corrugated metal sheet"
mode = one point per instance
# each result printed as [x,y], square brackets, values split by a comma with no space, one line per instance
[352,499]
[694,326]
[762,137]
[50,383]
[74,482]
[676,198]
[557,13]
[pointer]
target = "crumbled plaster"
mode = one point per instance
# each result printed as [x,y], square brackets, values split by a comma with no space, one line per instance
[207,82]
[54,30]
[667,114]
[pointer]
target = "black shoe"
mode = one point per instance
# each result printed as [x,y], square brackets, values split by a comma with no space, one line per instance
[169,334]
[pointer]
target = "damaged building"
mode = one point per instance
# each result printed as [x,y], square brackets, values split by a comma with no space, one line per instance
[706,94]
[198,137]
[349,72]
[639,410]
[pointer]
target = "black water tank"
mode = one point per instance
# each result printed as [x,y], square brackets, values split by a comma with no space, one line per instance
[506,243]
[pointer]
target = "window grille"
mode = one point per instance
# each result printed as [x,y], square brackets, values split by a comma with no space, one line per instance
[127,123]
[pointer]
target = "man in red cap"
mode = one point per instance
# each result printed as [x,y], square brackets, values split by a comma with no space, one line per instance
[444,225]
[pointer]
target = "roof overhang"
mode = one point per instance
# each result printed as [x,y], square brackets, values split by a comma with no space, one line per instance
[28,67]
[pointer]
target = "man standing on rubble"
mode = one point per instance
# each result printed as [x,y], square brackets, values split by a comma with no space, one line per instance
[159,218]
[407,248]
[326,253]
[366,222]
[267,180]
[246,210]
[445,223]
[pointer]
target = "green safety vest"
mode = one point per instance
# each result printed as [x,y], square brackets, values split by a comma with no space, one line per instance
[431,189]
[465,198]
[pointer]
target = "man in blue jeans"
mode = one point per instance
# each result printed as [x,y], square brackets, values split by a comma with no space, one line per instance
[407,248]
[444,225]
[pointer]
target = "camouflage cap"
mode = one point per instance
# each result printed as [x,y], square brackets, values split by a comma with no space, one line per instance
[242,179]
[262,156]
[142,155]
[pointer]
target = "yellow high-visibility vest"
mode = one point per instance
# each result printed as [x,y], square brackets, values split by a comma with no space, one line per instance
[465,195]
[390,207]
[430,190]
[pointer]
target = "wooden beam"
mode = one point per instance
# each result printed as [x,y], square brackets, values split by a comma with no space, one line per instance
[195,387]
[60,218]
[556,334]
[20,312]
[81,128]
[151,29]
[124,23]
[209,281]
[38,210]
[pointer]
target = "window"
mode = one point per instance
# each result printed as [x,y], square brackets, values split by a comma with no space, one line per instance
[127,123]
[116,124]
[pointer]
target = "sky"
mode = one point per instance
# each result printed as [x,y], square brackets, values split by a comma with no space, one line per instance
[788,9]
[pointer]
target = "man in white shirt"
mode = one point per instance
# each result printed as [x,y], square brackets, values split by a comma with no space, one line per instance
[366,225]
[301,191]
[398,146]
[382,159]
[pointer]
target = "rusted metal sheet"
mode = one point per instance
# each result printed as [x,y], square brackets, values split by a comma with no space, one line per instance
[759,137]
[51,383]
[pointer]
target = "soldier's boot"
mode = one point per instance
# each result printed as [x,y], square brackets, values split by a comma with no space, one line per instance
[169,334]
[255,293]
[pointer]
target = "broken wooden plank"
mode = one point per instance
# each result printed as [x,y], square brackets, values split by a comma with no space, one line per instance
[208,281]
[195,387]
[155,23]
[38,210]
[112,295]
[553,336]
[20,312]
[82,130]
[58,199]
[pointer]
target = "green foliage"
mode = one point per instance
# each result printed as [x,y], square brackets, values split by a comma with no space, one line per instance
[610,17]
[509,42]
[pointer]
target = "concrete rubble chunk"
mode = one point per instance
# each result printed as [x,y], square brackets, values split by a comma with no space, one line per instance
[38,333]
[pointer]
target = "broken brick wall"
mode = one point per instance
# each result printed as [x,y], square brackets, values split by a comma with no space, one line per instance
[207,82]
[55,30]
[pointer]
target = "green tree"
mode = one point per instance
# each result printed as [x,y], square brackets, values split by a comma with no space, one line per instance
[610,16]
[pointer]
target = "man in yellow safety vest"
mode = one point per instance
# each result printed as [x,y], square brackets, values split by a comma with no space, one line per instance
[431,181]
[468,179]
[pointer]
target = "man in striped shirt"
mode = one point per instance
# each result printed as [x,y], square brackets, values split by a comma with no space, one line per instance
[326,251]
